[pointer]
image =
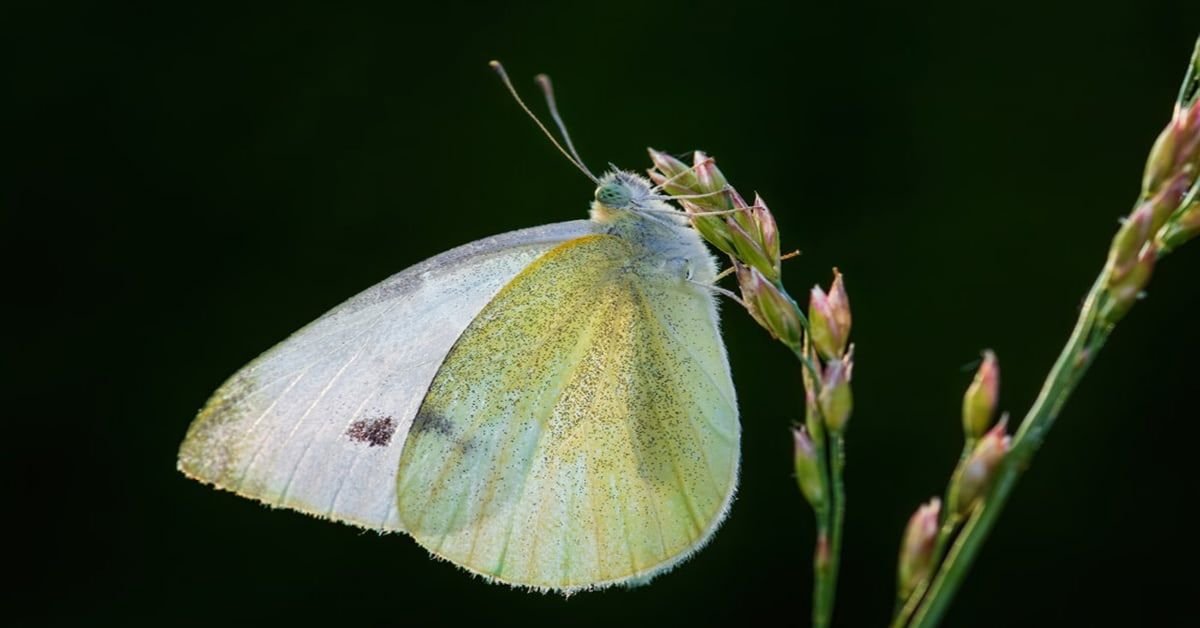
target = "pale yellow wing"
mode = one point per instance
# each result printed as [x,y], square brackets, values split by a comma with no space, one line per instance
[582,431]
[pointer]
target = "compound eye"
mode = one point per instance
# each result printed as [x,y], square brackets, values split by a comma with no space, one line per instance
[613,195]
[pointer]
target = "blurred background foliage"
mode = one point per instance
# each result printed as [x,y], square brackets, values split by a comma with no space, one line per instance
[186,185]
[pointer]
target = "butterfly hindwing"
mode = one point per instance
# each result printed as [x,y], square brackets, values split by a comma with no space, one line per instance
[582,431]
[318,422]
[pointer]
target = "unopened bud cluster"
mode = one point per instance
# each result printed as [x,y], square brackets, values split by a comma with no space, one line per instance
[747,233]
[829,318]
[1168,212]
[986,448]
[832,365]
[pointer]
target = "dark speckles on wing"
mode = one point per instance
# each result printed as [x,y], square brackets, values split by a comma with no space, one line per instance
[432,422]
[595,392]
[375,432]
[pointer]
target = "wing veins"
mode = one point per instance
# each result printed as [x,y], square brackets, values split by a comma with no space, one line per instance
[657,342]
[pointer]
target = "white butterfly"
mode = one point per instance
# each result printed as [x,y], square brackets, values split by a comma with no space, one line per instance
[550,408]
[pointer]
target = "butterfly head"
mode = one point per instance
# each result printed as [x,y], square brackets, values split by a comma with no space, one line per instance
[625,196]
[619,190]
[614,195]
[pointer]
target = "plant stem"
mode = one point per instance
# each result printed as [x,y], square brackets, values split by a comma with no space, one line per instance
[831,459]
[823,611]
[824,580]
[1085,341]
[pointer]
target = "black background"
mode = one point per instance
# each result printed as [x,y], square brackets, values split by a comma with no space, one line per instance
[186,185]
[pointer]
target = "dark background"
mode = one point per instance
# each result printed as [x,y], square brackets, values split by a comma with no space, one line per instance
[188,185]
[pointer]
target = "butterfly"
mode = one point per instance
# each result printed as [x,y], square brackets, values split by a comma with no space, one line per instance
[550,408]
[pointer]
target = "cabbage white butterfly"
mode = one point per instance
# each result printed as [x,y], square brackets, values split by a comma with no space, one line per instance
[550,408]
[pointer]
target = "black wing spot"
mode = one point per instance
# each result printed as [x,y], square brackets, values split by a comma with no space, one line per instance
[375,432]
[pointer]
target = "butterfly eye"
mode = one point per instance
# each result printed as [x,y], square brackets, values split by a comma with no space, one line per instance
[613,195]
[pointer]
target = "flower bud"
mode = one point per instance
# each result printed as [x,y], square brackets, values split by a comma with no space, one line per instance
[680,176]
[1183,227]
[1125,289]
[707,174]
[768,232]
[808,472]
[770,305]
[1176,151]
[835,398]
[916,550]
[975,474]
[1128,243]
[679,179]
[1160,164]
[979,404]
[829,318]
[749,249]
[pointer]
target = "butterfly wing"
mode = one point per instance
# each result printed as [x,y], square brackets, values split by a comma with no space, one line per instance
[318,422]
[582,431]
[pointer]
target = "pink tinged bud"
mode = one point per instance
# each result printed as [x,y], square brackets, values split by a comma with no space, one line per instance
[707,173]
[769,305]
[808,473]
[680,179]
[1124,290]
[715,233]
[667,164]
[829,318]
[979,404]
[1183,227]
[1176,152]
[822,326]
[749,249]
[976,473]
[916,549]
[1165,203]
[656,177]
[675,176]
[744,218]
[1128,243]
[835,398]
[1160,164]
[768,232]
[840,301]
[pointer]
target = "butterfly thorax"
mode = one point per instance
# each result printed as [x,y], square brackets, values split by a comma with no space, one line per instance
[665,244]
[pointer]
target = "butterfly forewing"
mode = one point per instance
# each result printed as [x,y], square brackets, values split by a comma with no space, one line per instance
[318,423]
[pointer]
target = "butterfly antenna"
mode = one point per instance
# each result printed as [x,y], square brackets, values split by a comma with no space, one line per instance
[548,90]
[575,161]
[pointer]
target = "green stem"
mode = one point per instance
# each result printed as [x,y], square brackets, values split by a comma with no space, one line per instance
[1086,340]
[823,580]
[823,607]
[831,460]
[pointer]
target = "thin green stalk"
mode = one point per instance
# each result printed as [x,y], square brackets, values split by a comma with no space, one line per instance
[823,611]
[831,460]
[823,584]
[1079,352]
